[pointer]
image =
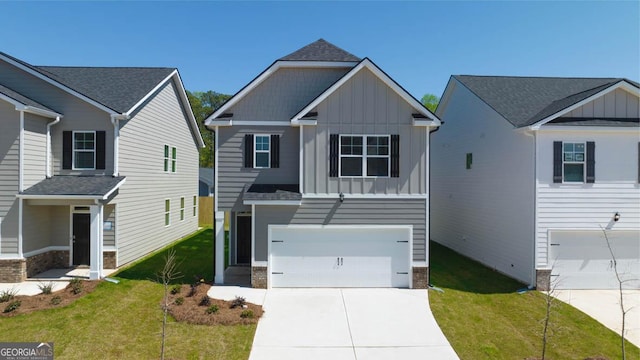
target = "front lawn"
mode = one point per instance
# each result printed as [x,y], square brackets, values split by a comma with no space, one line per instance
[483,316]
[123,321]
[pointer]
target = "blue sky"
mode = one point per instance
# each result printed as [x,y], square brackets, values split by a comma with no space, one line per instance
[221,46]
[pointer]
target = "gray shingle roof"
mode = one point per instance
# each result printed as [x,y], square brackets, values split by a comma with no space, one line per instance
[118,88]
[320,50]
[524,101]
[75,185]
[618,122]
[272,192]
[22,99]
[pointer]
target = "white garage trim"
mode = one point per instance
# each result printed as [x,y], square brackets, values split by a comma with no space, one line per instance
[409,254]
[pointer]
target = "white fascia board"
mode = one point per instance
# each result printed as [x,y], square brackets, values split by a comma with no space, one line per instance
[106,196]
[60,197]
[578,128]
[619,85]
[231,122]
[160,84]
[422,122]
[273,202]
[216,122]
[57,84]
[42,112]
[304,122]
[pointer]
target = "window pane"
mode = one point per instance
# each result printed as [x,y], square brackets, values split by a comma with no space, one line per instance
[262,160]
[83,141]
[578,147]
[568,147]
[182,202]
[166,151]
[378,167]
[351,145]
[351,166]
[574,172]
[174,153]
[83,160]
[173,166]
[262,143]
[568,156]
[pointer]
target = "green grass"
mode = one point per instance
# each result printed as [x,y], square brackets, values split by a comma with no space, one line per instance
[123,321]
[483,316]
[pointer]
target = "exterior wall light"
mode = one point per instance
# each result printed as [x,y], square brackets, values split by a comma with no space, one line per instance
[342,197]
[616,216]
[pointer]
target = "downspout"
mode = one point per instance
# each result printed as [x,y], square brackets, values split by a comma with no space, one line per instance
[115,121]
[48,164]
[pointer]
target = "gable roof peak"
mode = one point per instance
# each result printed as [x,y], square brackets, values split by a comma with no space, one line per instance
[320,50]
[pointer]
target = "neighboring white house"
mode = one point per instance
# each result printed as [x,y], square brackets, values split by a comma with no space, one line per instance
[526,171]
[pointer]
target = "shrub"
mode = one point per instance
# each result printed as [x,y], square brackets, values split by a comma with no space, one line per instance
[175,289]
[179,301]
[13,306]
[246,314]
[239,301]
[7,295]
[76,285]
[212,309]
[46,288]
[193,290]
[56,300]
[205,301]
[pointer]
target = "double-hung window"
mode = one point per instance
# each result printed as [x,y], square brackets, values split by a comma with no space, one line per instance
[195,205]
[573,162]
[364,155]
[84,150]
[170,158]
[262,153]
[181,208]
[167,212]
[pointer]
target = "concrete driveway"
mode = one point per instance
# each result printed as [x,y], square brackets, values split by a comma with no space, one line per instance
[604,306]
[345,324]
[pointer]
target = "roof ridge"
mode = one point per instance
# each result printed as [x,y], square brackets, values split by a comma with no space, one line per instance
[320,50]
[102,67]
[541,77]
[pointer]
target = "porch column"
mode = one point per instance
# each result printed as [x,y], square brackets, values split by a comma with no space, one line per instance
[219,244]
[95,242]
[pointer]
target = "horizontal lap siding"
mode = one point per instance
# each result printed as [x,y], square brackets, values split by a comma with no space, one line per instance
[36,232]
[9,148]
[35,149]
[109,236]
[141,199]
[60,225]
[350,212]
[589,206]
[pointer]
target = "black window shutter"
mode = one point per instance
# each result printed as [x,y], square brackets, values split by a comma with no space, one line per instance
[591,162]
[333,155]
[100,150]
[275,151]
[248,150]
[395,155]
[557,161]
[67,149]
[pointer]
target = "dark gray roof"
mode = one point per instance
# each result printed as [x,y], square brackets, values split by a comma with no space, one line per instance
[272,192]
[523,101]
[75,185]
[22,99]
[618,122]
[118,88]
[320,50]
[206,176]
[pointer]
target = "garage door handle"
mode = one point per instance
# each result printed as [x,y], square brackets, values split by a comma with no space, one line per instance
[402,273]
[339,261]
[554,244]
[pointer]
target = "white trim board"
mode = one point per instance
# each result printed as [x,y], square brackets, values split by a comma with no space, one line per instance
[272,202]
[45,249]
[365,196]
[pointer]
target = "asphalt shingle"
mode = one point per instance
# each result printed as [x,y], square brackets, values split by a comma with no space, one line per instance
[320,50]
[75,185]
[272,192]
[23,99]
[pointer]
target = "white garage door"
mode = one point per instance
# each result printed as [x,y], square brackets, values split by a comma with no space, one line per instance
[583,261]
[339,256]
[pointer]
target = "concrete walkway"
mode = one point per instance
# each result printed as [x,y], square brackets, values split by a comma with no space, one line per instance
[59,278]
[344,324]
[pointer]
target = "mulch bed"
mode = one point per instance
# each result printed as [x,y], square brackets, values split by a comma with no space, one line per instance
[56,299]
[194,311]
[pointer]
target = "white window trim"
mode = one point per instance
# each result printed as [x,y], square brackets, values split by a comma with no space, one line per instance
[195,205]
[583,162]
[182,207]
[166,158]
[164,204]
[364,156]
[73,149]
[256,151]
[173,161]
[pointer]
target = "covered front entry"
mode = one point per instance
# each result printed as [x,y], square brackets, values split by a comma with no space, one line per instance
[243,239]
[581,259]
[339,256]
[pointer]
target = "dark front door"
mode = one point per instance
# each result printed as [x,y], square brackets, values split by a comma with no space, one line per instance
[243,239]
[81,235]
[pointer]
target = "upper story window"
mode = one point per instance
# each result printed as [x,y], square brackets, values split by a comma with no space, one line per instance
[364,154]
[573,162]
[84,150]
[170,158]
[262,151]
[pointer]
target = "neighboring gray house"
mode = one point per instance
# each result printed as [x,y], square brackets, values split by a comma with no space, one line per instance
[526,170]
[205,182]
[98,166]
[322,163]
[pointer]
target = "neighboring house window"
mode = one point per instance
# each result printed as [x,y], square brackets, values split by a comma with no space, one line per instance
[368,155]
[181,208]
[167,212]
[170,159]
[83,150]
[574,162]
[469,160]
[261,151]
[195,205]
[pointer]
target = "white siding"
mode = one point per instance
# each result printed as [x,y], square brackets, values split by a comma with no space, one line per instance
[9,148]
[486,212]
[588,206]
[140,202]
[616,104]
[35,149]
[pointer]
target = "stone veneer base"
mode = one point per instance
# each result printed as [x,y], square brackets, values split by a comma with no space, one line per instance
[420,277]
[259,277]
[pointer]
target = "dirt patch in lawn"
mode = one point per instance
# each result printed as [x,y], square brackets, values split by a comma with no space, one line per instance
[195,307]
[27,304]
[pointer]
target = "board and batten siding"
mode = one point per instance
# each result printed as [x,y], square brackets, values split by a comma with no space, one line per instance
[284,93]
[35,149]
[141,199]
[486,212]
[350,212]
[615,104]
[233,176]
[9,154]
[588,206]
[365,105]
